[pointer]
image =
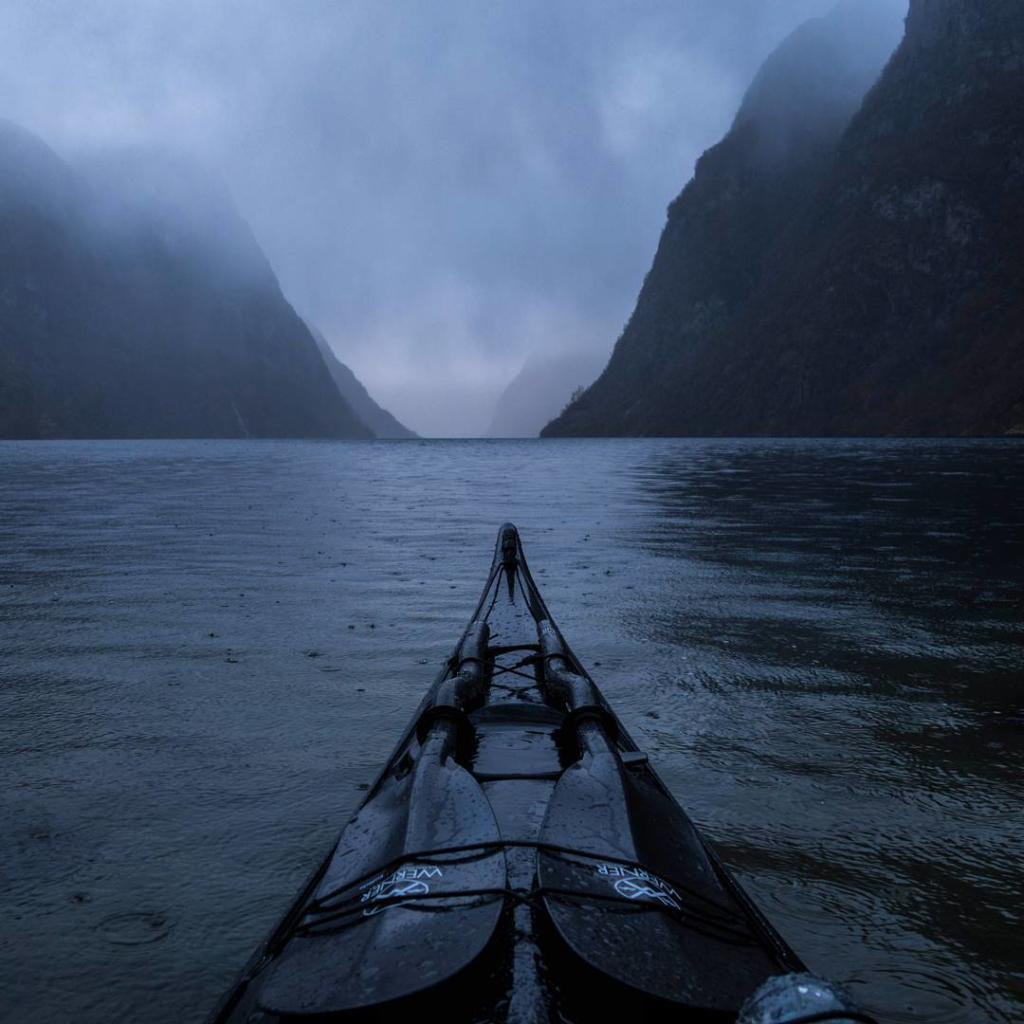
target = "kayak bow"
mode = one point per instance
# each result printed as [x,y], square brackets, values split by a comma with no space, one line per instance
[517,859]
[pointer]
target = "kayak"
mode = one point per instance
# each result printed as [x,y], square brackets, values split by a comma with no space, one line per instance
[518,859]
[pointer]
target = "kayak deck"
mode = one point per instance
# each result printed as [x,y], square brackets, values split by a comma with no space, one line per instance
[517,860]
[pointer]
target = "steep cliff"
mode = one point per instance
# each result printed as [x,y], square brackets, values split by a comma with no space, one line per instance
[541,389]
[134,302]
[873,287]
[378,419]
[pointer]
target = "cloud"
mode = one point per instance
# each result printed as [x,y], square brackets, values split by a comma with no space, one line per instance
[443,186]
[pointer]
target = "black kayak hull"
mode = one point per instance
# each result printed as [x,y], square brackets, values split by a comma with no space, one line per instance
[517,859]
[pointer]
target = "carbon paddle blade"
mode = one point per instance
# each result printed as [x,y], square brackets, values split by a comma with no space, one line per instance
[386,923]
[642,902]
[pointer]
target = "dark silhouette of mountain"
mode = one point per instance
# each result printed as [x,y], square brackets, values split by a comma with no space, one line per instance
[380,421]
[135,302]
[835,270]
[541,389]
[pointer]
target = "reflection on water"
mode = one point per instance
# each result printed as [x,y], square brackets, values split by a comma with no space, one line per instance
[206,649]
[850,618]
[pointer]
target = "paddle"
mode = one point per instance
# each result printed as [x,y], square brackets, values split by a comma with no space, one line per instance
[391,918]
[641,901]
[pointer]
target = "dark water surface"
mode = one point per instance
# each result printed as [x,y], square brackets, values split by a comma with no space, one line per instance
[208,648]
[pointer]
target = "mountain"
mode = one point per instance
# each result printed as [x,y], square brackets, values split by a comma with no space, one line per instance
[541,389]
[135,302]
[844,267]
[380,421]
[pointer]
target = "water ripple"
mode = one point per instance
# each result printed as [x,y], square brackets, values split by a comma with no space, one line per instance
[818,642]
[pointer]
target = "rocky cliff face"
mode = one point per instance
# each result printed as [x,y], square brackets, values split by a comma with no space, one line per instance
[379,420]
[867,281]
[134,302]
[541,389]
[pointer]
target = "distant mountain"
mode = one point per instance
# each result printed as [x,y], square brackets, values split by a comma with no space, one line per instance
[379,420]
[838,267]
[135,302]
[541,389]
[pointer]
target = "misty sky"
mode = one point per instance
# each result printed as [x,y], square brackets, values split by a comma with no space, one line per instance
[443,186]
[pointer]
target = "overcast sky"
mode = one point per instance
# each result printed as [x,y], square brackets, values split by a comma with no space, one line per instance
[443,186]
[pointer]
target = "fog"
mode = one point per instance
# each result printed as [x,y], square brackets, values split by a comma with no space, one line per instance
[443,188]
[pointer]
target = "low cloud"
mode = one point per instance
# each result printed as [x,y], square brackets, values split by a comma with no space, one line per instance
[442,187]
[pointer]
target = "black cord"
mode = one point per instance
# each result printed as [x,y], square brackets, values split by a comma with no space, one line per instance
[431,857]
[347,915]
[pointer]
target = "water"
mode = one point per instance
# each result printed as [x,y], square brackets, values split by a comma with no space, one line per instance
[208,648]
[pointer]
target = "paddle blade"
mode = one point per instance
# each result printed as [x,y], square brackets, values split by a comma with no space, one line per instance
[645,907]
[405,929]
